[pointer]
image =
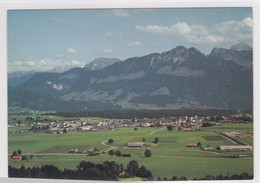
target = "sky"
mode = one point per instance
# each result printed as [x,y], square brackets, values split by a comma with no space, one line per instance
[42,39]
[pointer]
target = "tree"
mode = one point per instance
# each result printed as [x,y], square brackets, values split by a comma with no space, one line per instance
[111,152]
[19,151]
[64,130]
[110,141]
[147,153]
[135,128]
[118,153]
[174,178]
[132,168]
[156,140]
[14,154]
[169,127]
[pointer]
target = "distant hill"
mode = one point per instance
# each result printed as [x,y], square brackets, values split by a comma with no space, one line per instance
[22,98]
[61,69]
[181,78]
[18,77]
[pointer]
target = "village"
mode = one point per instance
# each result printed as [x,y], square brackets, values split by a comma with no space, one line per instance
[83,124]
[40,124]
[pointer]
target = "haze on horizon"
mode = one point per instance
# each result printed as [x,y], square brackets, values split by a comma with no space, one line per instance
[43,39]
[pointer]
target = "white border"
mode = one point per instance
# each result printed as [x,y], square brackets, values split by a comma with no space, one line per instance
[100,4]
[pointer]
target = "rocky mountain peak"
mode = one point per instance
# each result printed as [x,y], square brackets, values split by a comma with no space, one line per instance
[61,69]
[101,63]
[240,47]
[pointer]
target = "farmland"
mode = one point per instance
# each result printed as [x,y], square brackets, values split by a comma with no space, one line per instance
[170,156]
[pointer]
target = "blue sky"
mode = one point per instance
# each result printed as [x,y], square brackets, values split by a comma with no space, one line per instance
[42,39]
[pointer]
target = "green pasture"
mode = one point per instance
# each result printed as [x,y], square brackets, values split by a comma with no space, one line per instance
[163,166]
[242,128]
[170,156]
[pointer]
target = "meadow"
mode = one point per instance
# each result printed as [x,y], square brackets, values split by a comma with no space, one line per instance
[170,156]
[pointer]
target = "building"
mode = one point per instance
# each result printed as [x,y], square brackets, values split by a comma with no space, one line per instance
[73,150]
[235,148]
[187,129]
[135,144]
[191,145]
[17,158]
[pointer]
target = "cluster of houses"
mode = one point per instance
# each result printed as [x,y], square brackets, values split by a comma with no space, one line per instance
[186,123]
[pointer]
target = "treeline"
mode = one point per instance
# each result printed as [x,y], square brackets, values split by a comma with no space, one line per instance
[85,171]
[130,114]
[18,97]
[242,176]
[106,171]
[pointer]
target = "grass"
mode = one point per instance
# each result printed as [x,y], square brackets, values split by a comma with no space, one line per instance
[213,138]
[170,156]
[190,167]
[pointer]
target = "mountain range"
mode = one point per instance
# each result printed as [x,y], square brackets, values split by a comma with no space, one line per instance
[181,78]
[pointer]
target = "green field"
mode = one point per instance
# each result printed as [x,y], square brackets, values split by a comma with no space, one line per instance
[169,157]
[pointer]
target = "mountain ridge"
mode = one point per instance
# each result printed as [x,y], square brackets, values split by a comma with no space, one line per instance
[175,79]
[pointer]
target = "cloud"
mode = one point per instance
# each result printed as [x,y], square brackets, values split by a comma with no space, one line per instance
[58,19]
[109,34]
[223,32]
[29,63]
[34,64]
[117,33]
[58,56]
[107,51]
[71,51]
[134,43]
[235,30]
[121,13]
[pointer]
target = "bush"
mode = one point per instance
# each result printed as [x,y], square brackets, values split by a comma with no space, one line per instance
[111,152]
[147,153]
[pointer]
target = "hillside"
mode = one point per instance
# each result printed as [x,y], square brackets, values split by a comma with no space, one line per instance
[182,78]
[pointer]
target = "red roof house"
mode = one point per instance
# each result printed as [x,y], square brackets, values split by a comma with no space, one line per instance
[17,158]
[191,145]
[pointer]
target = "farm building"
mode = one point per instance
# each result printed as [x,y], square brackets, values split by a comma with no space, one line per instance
[235,148]
[135,144]
[187,129]
[191,145]
[17,158]
[73,150]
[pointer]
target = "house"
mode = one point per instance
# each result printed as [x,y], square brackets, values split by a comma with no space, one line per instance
[187,129]
[207,148]
[146,125]
[191,145]
[84,130]
[17,158]
[135,144]
[73,150]
[235,148]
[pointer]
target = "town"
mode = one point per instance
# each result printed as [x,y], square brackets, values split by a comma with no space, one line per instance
[185,123]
